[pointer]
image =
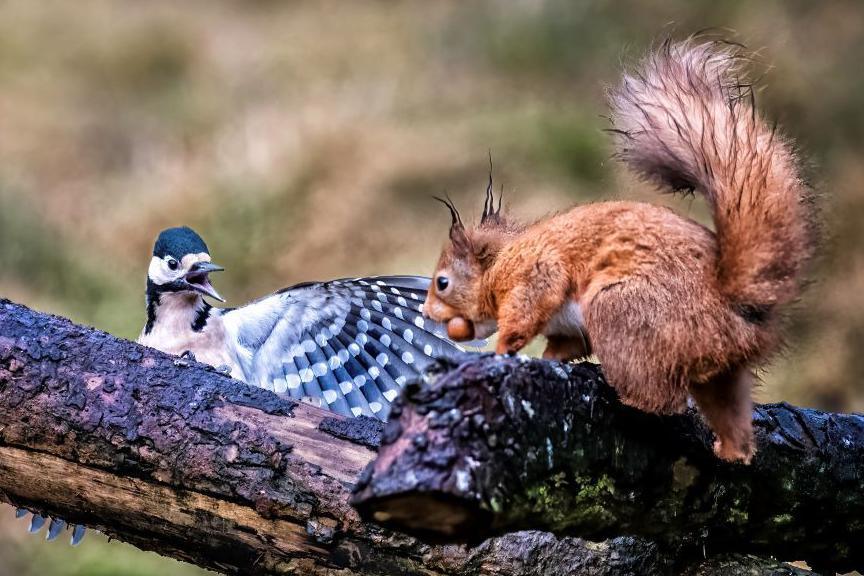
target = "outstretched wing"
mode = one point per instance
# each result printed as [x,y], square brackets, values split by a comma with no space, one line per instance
[347,345]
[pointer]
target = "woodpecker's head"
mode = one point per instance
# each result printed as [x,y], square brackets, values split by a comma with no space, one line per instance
[181,264]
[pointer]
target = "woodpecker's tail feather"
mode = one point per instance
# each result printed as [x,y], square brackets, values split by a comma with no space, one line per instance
[55,527]
[685,119]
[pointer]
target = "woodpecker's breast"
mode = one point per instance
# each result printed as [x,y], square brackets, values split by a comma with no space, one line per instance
[175,332]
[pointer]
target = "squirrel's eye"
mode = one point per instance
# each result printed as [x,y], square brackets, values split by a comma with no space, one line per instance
[441,283]
[172,264]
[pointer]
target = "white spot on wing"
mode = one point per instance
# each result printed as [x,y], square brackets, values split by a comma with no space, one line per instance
[374,372]
[418,321]
[385,322]
[346,387]
[308,346]
[400,380]
[306,375]
[319,369]
[402,301]
[375,406]
[359,380]
[390,395]
[407,357]
[427,349]
[356,411]
[280,385]
[330,396]
[377,306]
[398,313]
[408,335]
[382,359]
[365,314]
[292,381]
[354,349]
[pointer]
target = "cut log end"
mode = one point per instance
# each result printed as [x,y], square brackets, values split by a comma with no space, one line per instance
[434,517]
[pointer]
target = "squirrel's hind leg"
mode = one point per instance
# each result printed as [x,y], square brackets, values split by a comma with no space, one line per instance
[726,404]
[565,348]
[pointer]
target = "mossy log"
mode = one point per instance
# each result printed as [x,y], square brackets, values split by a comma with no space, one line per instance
[174,457]
[500,444]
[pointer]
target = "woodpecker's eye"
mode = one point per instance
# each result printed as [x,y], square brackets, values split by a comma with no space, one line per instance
[172,263]
[442,283]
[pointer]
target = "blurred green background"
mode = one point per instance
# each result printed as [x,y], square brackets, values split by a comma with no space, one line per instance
[303,140]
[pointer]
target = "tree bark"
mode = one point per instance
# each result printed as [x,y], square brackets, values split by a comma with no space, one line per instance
[497,445]
[174,457]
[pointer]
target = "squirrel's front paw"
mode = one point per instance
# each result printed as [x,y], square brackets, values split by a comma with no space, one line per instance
[510,343]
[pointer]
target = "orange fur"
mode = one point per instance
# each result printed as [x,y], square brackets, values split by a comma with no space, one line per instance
[669,306]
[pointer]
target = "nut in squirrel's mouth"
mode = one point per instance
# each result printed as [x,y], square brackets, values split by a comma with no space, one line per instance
[460,329]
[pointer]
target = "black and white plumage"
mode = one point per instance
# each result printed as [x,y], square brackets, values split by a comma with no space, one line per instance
[347,345]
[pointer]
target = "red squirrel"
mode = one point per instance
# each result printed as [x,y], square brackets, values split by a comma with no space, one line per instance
[668,306]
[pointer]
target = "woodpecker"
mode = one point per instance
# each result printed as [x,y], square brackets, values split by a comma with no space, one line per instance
[346,345]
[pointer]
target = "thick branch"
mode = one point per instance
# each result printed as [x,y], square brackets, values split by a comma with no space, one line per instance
[503,444]
[179,459]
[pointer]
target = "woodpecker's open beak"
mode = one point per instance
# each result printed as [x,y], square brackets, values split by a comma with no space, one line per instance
[198,279]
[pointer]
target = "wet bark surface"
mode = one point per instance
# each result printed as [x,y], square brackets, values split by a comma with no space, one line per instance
[494,445]
[175,457]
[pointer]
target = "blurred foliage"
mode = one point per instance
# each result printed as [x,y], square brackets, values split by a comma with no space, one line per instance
[23,554]
[303,140]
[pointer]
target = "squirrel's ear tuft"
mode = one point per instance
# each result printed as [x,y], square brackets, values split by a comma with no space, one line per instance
[458,235]
[491,215]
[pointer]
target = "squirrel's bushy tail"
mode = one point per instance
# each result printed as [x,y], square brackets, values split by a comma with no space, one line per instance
[685,119]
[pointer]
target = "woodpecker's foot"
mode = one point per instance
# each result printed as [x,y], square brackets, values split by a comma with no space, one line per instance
[185,359]
[224,369]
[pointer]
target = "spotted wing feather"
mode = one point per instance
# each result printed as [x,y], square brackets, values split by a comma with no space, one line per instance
[345,345]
